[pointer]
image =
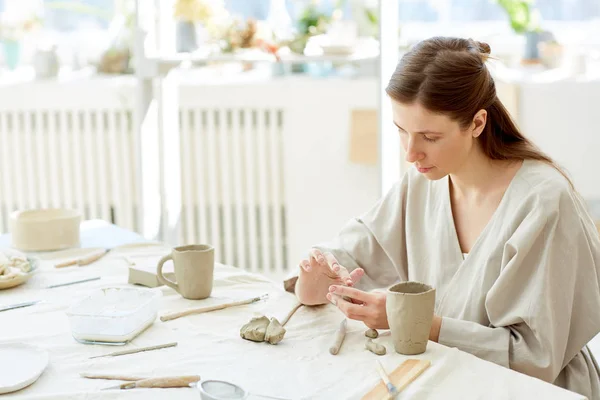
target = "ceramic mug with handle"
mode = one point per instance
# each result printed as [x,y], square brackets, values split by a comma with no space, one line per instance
[194,269]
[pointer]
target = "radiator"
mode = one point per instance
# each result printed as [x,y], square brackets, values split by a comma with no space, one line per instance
[232,185]
[67,157]
[71,143]
[232,180]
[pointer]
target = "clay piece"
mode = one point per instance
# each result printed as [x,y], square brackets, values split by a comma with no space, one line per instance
[261,329]
[275,332]
[375,348]
[256,329]
[13,264]
[339,338]
[371,333]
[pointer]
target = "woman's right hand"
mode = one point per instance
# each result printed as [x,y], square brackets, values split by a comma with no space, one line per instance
[318,273]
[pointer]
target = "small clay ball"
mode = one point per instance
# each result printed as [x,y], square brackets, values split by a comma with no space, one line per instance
[371,333]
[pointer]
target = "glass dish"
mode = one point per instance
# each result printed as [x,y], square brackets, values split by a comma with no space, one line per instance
[113,315]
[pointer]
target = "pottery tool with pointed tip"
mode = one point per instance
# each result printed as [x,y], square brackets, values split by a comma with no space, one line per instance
[138,350]
[163,382]
[19,305]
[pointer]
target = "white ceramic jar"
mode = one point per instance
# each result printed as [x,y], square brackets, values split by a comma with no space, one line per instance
[45,229]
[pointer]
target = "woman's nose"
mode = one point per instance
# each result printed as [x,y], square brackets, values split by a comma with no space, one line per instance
[412,153]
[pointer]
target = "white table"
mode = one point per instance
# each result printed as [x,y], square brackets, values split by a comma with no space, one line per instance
[210,345]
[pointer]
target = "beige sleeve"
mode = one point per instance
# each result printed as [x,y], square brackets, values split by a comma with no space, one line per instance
[544,306]
[375,242]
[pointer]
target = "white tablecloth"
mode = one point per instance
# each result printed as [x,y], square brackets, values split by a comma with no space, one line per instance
[210,345]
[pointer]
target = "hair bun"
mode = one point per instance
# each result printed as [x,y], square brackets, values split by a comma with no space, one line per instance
[484,49]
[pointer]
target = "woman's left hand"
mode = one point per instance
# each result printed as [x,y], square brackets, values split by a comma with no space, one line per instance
[368,307]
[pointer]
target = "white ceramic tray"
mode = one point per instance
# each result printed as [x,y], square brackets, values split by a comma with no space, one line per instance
[113,315]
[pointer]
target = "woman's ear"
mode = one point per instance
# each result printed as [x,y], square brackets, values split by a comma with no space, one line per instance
[479,121]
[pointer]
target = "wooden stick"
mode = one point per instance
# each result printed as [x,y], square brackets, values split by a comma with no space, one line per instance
[287,317]
[85,260]
[138,350]
[168,317]
[401,377]
[421,366]
[339,338]
[90,258]
[164,382]
[112,377]
[67,263]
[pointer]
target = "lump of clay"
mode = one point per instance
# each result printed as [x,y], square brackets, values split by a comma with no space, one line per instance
[371,333]
[274,332]
[375,348]
[256,329]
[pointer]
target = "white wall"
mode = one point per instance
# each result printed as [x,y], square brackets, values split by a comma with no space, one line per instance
[324,189]
[562,118]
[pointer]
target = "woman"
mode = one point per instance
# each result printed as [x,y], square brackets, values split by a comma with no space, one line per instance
[484,217]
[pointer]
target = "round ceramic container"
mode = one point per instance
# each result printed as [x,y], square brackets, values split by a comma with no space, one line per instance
[20,366]
[45,229]
[221,390]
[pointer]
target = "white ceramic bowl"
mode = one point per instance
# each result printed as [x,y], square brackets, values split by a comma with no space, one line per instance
[221,390]
[45,229]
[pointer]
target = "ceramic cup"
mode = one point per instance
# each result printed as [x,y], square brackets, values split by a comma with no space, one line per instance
[409,307]
[194,268]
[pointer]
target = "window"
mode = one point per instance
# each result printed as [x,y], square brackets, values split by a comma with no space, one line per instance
[440,10]
[64,15]
[68,16]
[488,10]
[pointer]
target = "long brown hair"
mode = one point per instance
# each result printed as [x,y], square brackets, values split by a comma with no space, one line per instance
[449,76]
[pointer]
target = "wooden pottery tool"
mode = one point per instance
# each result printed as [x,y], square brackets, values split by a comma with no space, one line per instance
[110,377]
[139,350]
[85,260]
[163,382]
[168,317]
[401,377]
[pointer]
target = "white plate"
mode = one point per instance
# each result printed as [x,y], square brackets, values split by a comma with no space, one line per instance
[21,278]
[20,366]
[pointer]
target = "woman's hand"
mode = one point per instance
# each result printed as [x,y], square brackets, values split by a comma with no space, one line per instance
[368,307]
[318,273]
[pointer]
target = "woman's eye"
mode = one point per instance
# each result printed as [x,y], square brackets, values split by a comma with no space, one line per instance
[429,139]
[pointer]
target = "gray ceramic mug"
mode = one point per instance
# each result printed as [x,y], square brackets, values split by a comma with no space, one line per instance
[410,307]
[194,269]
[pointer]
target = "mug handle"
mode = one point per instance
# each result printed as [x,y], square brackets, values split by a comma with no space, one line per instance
[161,277]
